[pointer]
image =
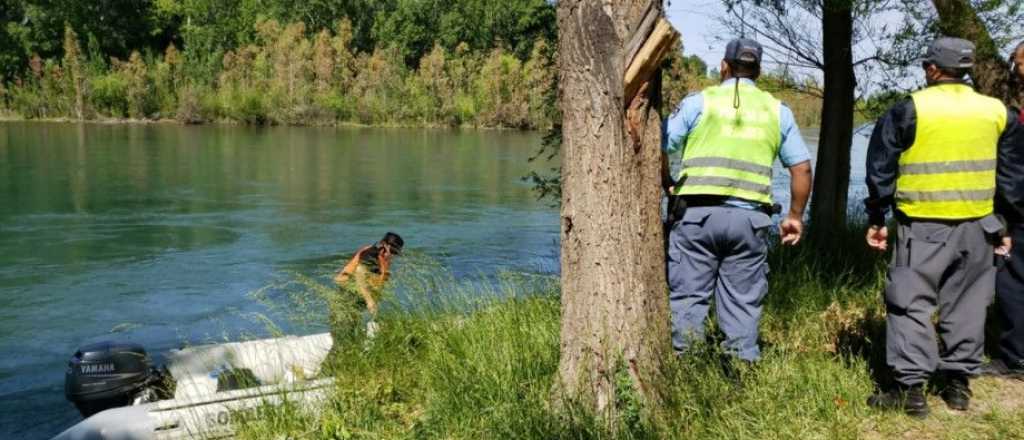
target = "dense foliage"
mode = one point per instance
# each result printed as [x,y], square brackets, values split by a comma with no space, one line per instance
[472,62]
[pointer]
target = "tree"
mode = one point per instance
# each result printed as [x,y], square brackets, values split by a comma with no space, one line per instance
[614,306]
[119,25]
[831,187]
[958,18]
[12,55]
[820,35]
[992,25]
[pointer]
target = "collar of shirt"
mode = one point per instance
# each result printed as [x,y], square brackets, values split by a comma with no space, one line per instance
[744,81]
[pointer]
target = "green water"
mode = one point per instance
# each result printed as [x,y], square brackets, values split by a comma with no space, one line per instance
[159,233]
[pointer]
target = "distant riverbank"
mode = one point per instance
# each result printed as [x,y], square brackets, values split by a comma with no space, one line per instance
[10,118]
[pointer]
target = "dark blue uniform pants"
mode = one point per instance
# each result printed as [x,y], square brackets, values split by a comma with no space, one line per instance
[718,253]
[1010,302]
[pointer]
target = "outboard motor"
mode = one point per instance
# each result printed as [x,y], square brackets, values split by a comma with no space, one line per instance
[110,374]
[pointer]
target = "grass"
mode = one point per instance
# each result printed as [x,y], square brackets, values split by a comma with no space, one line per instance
[477,360]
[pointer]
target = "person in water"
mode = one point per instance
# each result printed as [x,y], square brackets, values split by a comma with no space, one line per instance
[360,283]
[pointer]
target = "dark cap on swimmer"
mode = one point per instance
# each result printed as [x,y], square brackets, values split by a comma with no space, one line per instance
[394,241]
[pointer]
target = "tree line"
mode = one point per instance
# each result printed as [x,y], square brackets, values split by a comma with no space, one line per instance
[473,62]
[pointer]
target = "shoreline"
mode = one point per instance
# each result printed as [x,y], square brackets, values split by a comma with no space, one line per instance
[171,121]
[6,117]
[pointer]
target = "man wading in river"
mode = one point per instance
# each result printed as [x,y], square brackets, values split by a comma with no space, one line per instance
[731,135]
[360,283]
[939,157]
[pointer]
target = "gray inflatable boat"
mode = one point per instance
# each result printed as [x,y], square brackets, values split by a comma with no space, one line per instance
[200,392]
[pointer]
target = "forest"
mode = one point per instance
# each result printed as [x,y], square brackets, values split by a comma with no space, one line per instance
[480,63]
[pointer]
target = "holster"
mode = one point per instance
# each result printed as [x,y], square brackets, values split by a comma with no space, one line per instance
[676,210]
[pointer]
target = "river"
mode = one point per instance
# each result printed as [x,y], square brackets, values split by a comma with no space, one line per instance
[160,233]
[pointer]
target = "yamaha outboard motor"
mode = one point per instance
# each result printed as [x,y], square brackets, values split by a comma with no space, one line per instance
[110,374]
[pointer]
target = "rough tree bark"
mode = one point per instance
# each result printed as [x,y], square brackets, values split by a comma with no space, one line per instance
[957,18]
[832,173]
[614,303]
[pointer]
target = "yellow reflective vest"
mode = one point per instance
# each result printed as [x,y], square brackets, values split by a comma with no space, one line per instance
[731,151]
[949,173]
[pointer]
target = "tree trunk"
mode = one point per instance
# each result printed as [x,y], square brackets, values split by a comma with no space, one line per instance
[614,301]
[957,18]
[832,173]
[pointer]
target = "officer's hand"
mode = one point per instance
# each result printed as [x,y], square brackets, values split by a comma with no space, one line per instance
[791,229]
[1004,248]
[878,238]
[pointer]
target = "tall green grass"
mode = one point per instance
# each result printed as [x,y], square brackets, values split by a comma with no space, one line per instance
[474,360]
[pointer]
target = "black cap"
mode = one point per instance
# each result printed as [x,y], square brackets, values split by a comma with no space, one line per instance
[744,50]
[394,241]
[951,53]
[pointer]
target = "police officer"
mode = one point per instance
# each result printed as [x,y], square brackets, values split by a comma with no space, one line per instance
[1009,360]
[729,136]
[934,157]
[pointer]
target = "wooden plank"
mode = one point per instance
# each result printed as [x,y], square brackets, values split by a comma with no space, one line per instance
[649,57]
[642,31]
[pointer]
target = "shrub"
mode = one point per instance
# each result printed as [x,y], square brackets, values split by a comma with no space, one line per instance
[247,105]
[108,94]
[188,110]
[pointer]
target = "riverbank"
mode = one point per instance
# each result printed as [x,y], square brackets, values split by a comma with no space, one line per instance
[487,372]
[9,117]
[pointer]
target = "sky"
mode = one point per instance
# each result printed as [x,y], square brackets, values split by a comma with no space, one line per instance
[696,21]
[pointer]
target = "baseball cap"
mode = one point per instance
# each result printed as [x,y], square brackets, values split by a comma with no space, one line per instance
[744,50]
[395,241]
[952,53]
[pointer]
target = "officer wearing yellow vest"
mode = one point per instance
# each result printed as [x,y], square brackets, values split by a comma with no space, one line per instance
[935,157]
[730,136]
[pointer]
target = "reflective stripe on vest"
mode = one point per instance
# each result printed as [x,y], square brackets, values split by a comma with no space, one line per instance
[731,151]
[950,171]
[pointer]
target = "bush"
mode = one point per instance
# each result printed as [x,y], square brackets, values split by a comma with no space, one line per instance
[246,105]
[342,106]
[27,101]
[188,110]
[108,94]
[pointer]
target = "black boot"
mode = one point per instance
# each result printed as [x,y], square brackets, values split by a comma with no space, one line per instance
[910,400]
[999,368]
[957,392]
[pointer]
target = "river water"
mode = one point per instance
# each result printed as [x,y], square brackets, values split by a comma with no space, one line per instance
[159,233]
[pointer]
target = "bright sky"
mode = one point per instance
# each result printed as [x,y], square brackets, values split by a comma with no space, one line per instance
[696,20]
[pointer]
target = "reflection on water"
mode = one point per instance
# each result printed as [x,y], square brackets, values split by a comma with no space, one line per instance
[157,233]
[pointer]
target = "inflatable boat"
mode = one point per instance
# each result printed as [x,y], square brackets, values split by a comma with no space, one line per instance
[200,392]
